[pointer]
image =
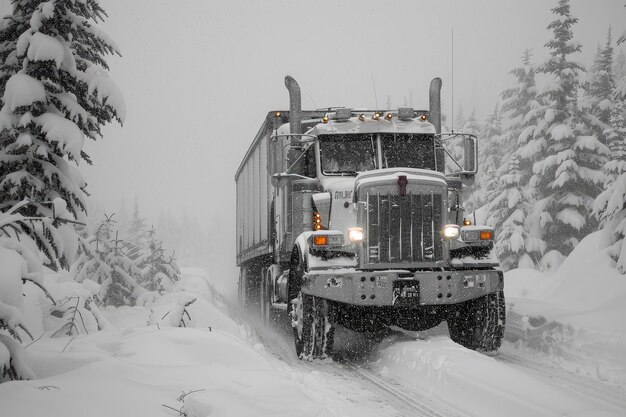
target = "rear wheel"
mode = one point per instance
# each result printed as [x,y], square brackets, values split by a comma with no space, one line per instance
[311,318]
[479,324]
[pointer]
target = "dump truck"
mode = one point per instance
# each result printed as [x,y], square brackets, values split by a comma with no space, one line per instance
[355,218]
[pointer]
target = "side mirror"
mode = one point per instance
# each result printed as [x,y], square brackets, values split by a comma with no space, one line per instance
[470,159]
[275,158]
[461,150]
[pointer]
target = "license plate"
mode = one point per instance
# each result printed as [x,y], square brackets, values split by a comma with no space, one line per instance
[406,292]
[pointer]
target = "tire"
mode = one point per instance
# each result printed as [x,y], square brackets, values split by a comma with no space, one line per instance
[479,324]
[311,318]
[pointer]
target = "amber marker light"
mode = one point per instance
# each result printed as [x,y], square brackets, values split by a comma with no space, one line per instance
[320,240]
[388,116]
[376,116]
[278,114]
[325,119]
[486,235]
[467,222]
[317,220]
[424,117]
[362,117]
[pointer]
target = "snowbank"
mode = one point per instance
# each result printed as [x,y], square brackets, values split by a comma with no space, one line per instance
[143,365]
[478,385]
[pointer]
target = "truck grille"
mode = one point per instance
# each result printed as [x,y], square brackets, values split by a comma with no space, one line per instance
[403,228]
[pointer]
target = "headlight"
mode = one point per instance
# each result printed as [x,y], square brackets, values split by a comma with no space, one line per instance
[356,234]
[450,231]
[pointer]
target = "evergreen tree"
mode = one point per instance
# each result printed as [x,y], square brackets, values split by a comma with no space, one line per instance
[459,120]
[20,266]
[569,177]
[103,259]
[123,220]
[54,91]
[137,228]
[518,241]
[610,205]
[471,125]
[159,270]
[619,65]
[599,90]
[508,211]
[489,154]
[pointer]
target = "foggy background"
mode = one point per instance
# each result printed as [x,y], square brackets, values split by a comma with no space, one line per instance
[199,77]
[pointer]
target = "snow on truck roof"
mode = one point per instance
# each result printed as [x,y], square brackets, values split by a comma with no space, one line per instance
[370,125]
[360,121]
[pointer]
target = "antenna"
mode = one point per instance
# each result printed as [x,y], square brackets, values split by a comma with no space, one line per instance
[452,84]
[374,85]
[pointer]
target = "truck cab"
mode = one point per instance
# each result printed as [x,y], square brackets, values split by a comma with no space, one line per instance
[366,228]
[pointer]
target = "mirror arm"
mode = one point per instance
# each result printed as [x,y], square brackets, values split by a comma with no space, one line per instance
[296,161]
[452,158]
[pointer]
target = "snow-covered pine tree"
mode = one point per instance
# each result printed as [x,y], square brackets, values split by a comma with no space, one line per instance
[568,177]
[610,205]
[54,91]
[474,195]
[459,120]
[159,270]
[616,130]
[137,228]
[19,265]
[509,209]
[597,101]
[492,153]
[123,221]
[102,259]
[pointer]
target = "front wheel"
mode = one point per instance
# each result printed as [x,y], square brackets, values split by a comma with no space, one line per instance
[313,327]
[311,318]
[479,324]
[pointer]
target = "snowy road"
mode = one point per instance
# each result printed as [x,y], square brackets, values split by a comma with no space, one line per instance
[222,366]
[428,375]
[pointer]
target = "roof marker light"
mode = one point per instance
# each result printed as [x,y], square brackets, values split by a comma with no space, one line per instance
[325,119]
[362,117]
[278,114]
[424,117]
[388,116]
[376,116]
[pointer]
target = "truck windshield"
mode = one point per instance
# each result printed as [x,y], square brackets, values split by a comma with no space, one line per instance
[347,154]
[407,151]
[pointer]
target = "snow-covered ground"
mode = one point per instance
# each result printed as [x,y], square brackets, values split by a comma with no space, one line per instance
[564,354]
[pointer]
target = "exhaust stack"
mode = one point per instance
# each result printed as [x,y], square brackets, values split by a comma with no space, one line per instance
[435,103]
[295,107]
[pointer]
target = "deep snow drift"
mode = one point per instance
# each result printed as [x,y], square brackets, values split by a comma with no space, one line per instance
[565,325]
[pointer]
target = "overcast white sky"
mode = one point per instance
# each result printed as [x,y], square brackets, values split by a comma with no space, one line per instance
[200,75]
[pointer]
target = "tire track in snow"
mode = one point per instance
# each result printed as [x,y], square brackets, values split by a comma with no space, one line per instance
[412,402]
[610,394]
